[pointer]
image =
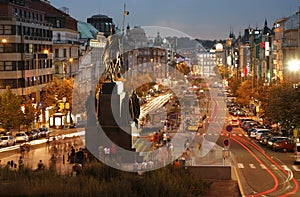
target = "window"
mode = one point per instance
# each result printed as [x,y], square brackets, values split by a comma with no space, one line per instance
[1,66]
[56,53]
[8,66]
[58,37]
[58,23]
[65,53]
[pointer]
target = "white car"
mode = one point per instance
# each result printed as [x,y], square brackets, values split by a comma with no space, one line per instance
[7,140]
[22,137]
[256,132]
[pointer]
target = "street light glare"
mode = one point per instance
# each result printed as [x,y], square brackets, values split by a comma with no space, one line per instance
[293,65]
[4,40]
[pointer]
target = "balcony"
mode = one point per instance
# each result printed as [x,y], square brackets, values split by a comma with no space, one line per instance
[289,44]
[66,42]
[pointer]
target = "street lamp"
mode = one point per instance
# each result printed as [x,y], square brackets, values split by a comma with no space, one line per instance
[70,63]
[4,40]
[67,67]
[293,66]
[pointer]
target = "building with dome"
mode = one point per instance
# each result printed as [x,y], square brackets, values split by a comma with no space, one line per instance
[136,37]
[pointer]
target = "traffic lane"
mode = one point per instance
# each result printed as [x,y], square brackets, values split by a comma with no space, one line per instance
[253,176]
[284,183]
[284,159]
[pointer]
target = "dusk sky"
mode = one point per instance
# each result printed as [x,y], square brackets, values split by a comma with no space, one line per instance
[203,19]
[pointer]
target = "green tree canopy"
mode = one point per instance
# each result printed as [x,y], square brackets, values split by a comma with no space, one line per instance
[10,110]
[283,106]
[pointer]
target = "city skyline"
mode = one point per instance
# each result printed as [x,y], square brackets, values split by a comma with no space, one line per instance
[211,20]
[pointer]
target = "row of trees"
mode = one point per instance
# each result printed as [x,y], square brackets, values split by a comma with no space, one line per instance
[279,103]
[20,112]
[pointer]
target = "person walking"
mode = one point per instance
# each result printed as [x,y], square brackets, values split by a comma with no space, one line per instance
[21,163]
[40,165]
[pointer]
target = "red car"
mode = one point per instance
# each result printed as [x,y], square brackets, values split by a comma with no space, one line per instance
[284,145]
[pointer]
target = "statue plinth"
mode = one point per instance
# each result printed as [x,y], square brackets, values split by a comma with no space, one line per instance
[114,117]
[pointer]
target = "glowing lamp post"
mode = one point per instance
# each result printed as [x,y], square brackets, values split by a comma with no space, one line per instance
[4,40]
[294,67]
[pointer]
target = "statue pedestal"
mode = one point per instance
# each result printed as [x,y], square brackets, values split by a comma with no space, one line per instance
[114,118]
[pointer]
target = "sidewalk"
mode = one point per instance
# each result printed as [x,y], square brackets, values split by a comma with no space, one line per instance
[59,148]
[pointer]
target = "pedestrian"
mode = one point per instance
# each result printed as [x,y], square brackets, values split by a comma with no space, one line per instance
[40,165]
[135,166]
[176,163]
[21,163]
[12,164]
[150,164]
[53,162]
[72,156]
[15,167]
[106,152]
[144,165]
[79,156]
[8,165]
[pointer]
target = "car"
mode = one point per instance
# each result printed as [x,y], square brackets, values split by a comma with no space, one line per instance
[259,131]
[7,140]
[284,145]
[30,135]
[259,135]
[35,134]
[44,131]
[297,153]
[264,138]
[234,122]
[194,126]
[21,137]
[274,139]
[246,125]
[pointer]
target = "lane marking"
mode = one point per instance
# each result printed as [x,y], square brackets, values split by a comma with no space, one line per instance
[252,166]
[240,165]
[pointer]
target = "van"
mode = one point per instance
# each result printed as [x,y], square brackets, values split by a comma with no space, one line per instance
[297,152]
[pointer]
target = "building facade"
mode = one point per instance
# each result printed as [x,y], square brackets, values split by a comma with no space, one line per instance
[103,23]
[65,39]
[25,48]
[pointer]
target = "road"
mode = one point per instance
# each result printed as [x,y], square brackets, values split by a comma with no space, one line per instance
[261,171]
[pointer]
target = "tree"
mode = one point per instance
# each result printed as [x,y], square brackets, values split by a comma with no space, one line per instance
[234,83]
[283,106]
[244,93]
[10,110]
[29,113]
[56,91]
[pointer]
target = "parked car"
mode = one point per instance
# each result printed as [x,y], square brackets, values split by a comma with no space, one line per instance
[7,140]
[259,135]
[297,152]
[35,134]
[22,137]
[44,131]
[234,122]
[284,145]
[259,131]
[30,135]
[264,138]
[274,139]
